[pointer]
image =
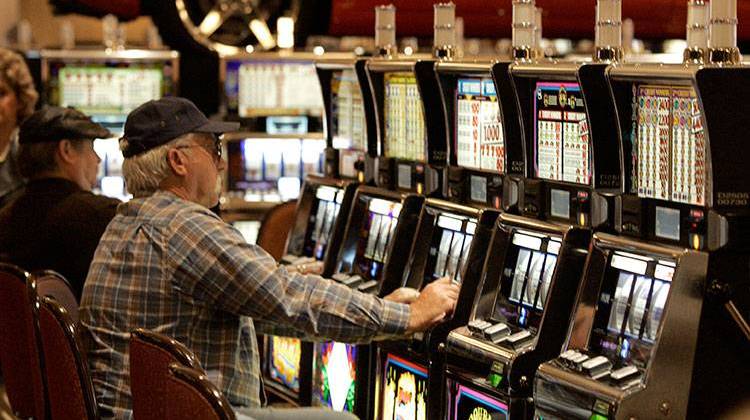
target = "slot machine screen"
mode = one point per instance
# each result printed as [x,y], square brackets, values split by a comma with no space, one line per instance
[449,246]
[529,265]
[669,146]
[322,218]
[334,375]
[404,390]
[561,133]
[405,134]
[248,229]
[272,87]
[283,357]
[479,132]
[347,121]
[631,303]
[470,404]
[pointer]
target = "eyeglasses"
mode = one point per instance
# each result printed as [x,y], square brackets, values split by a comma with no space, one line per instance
[216,152]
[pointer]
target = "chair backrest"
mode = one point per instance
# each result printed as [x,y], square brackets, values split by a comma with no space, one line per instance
[69,387]
[53,284]
[275,228]
[151,354]
[19,348]
[192,395]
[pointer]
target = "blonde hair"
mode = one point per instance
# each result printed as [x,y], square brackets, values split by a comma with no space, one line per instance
[15,73]
[145,171]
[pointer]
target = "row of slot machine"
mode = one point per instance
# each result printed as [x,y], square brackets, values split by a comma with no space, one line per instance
[594,214]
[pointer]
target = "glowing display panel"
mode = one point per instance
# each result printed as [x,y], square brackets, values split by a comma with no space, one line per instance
[561,133]
[405,135]
[631,303]
[347,121]
[404,389]
[469,404]
[669,152]
[334,375]
[479,131]
[322,218]
[526,278]
[283,358]
[449,246]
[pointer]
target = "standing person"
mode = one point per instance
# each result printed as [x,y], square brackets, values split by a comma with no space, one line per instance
[56,221]
[168,264]
[17,100]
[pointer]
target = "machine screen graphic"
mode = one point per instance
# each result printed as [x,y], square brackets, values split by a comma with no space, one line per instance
[469,404]
[404,390]
[631,303]
[561,133]
[529,265]
[669,150]
[334,375]
[283,358]
[376,232]
[322,218]
[347,121]
[450,244]
[479,131]
[404,121]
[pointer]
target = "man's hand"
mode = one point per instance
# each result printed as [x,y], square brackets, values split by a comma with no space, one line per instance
[435,301]
[405,295]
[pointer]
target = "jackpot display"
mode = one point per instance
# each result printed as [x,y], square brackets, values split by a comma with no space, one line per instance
[405,134]
[404,390]
[334,375]
[479,133]
[283,358]
[450,246]
[561,135]
[322,218]
[347,121]
[669,148]
[467,403]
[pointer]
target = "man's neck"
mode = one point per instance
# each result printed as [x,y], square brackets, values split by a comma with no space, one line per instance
[179,191]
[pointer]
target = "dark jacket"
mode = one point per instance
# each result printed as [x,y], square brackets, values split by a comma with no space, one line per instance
[54,225]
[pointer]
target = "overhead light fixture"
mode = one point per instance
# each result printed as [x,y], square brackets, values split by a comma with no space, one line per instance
[211,22]
[262,33]
[285,31]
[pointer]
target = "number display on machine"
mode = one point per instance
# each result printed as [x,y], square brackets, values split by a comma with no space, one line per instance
[334,375]
[669,149]
[404,390]
[405,134]
[561,134]
[479,132]
[526,278]
[328,203]
[469,404]
[283,361]
[347,121]
[449,246]
[631,304]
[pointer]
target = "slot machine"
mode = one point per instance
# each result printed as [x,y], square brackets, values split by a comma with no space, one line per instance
[521,310]
[660,323]
[107,85]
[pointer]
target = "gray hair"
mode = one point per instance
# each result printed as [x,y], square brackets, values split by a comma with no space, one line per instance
[144,172]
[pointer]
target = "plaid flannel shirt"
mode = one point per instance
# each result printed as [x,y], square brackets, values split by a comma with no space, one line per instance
[172,266]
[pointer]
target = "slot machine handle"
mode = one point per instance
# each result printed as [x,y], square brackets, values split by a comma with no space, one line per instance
[723,292]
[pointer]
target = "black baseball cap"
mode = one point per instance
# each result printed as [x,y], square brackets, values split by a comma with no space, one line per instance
[160,121]
[54,123]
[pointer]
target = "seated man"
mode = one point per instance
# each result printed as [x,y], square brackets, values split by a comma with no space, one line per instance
[56,222]
[168,264]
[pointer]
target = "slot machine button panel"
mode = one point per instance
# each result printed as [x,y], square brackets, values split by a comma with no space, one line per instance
[353,281]
[625,374]
[518,339]
[596,366]
[478,326]
[497,332]
[340,277]
[289,259]
[368,286]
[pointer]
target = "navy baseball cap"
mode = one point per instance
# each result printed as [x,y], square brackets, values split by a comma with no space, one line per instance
[160,121]
[54,123]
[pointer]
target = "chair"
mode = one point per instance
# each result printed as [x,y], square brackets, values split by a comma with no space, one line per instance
[19,346]
[193,396]
[275,228]
[151,354]
[53,284]
[69,386]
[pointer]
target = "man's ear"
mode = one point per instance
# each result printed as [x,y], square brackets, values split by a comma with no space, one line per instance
[66,151]
[177,162]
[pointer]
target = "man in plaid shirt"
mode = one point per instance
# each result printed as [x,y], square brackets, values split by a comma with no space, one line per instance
[168,264]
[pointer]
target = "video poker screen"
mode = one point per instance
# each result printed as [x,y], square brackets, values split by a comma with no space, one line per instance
[283,358]
[322,218]
[375,233]
[669,145]
[449,246]
[334,375]
[405,134]
[347,121]
[467,403]
[631,303]
[479,132]
[526,279]
[404,390]
[562,145]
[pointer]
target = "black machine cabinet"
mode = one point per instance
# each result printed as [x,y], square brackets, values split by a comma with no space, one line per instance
[484,134]
[661,319]
[520,314]
[451,240]
[574,165]
[410,126]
